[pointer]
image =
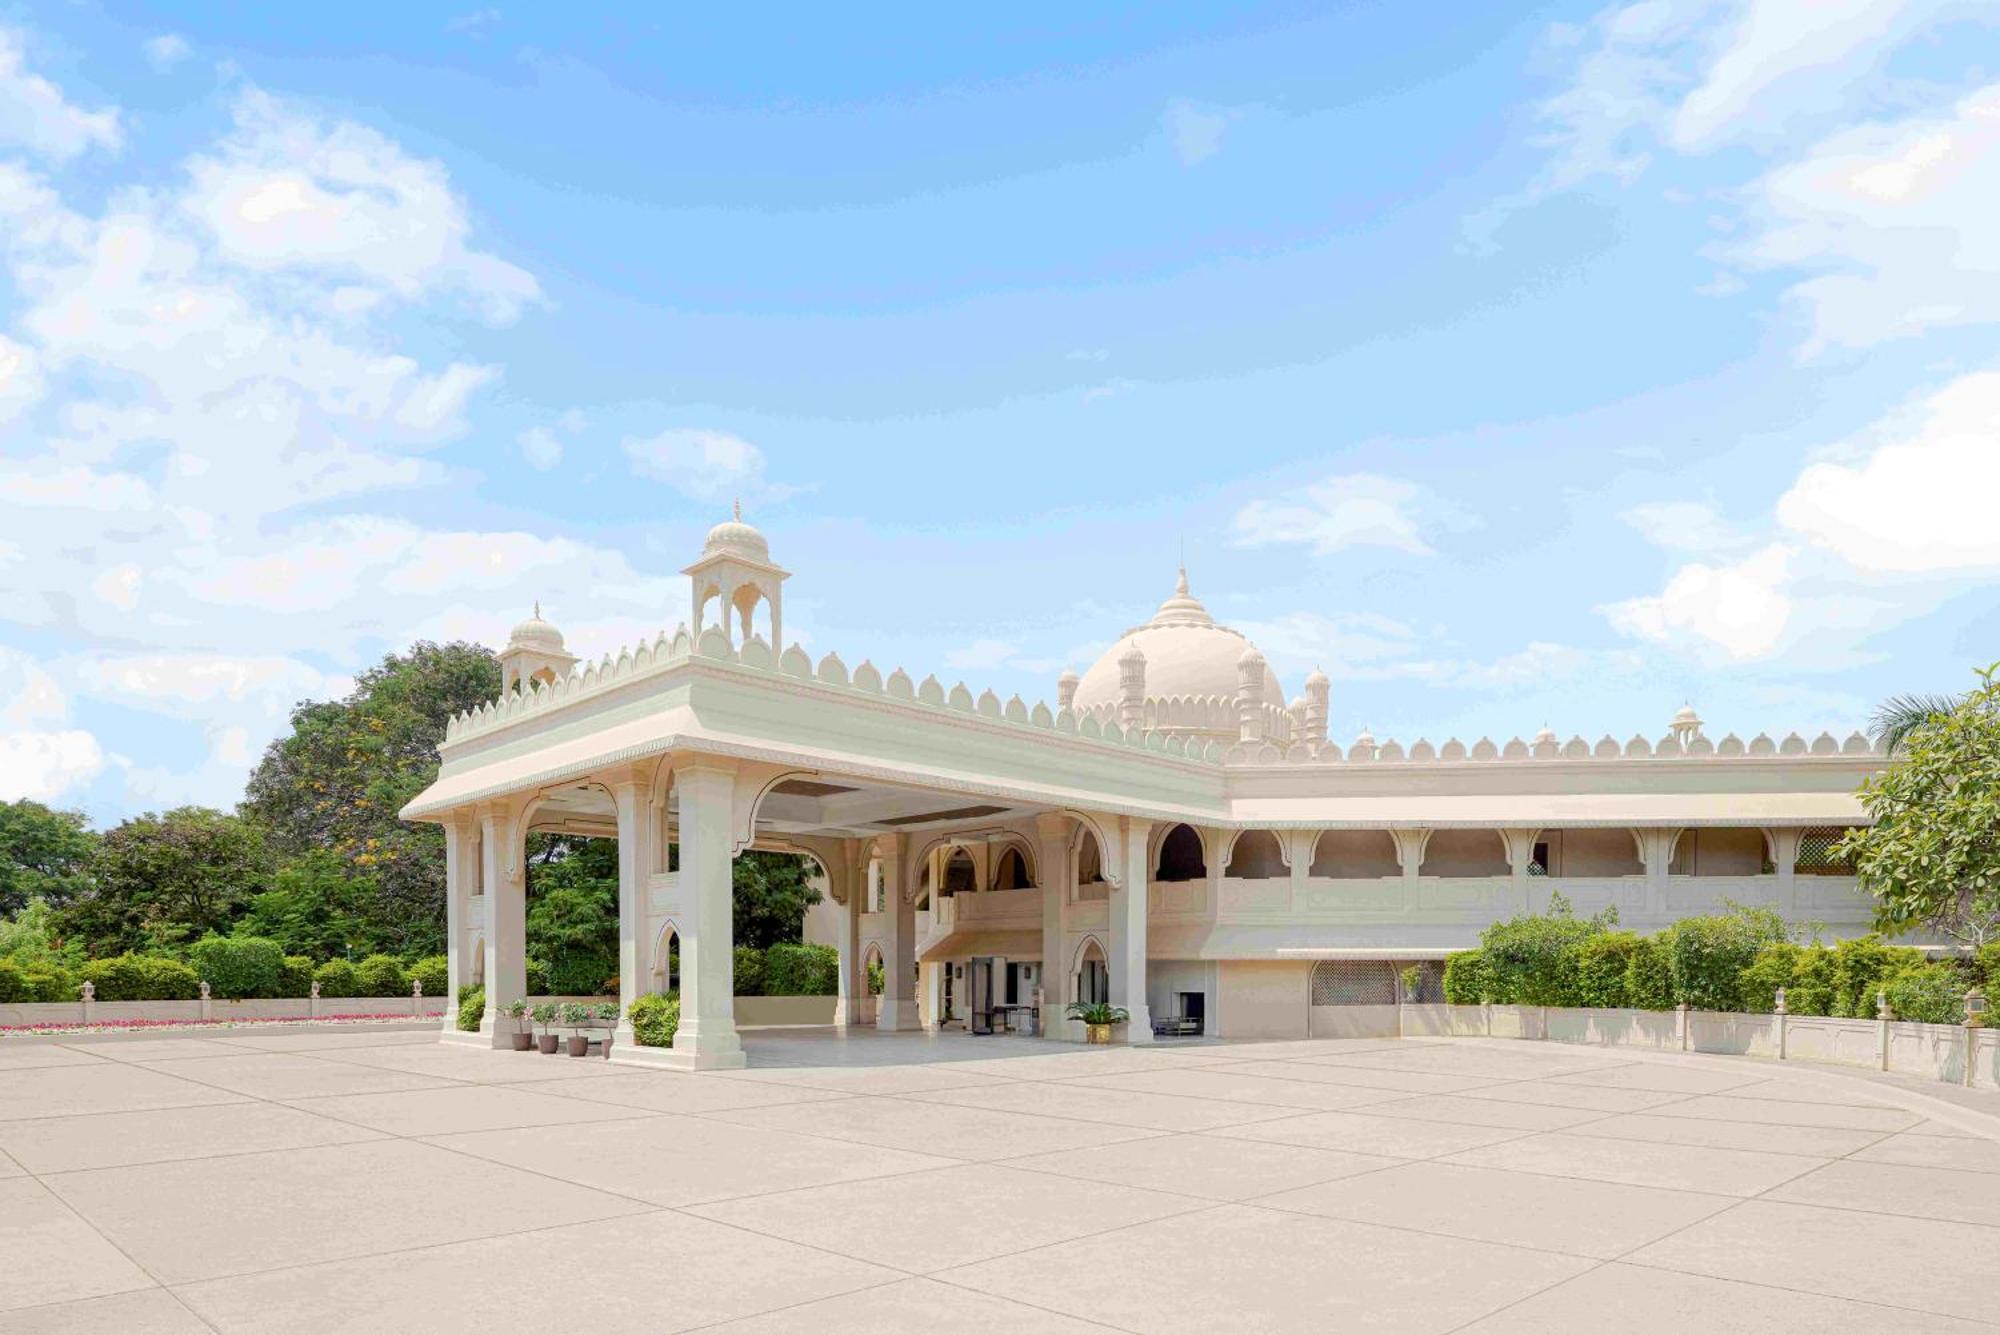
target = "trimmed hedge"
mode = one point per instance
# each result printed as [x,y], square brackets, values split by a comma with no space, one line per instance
[297,977]
[239,966]
[434,972]
[1467,981]
[382,976]
[655,1018]
[1931,993]
[142,978]
[35,982]
[794,969]
[1602,962]
[748,972]
[1709,954]
[471,1009]
[338,978]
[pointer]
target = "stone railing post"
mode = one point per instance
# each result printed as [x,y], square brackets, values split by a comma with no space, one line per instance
[416,996]
[87,999]
[207,1002]
[312,1000]
[1682,1023]
[1975,1020]
[1882,1017]
[1778,1013]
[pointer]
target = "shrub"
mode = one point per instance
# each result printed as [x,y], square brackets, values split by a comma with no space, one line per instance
[382,976]
[655,1018]
[1532,958]
[295,979]
[1466,980]
[35,981]
[1986,964]
[1860,967]
[338,978]
[792,969]
[434,972]
[1709,955]
[471,1008]
[749,970]
[1775,966]
[239,966]
[1601,964]
[1812,983]
[1931,993]
[1649,976]
[142,978]
[538,979]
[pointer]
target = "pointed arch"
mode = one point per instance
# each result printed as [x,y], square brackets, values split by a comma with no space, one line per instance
[1010,870]
[1090,971]
[1256,855]
[1180,855]
[664,954]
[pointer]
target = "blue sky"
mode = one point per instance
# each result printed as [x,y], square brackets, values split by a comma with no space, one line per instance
[1517,365]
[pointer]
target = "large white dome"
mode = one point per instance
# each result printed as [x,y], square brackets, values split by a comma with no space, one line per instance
[1187,655]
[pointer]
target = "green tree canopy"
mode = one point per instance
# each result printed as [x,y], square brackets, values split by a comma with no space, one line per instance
[771,897]
[164,880]
[44,854]
[316,907]
[337,780]
[1933,855]
[573,911]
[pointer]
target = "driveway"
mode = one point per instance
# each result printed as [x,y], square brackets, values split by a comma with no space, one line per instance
[367,1180]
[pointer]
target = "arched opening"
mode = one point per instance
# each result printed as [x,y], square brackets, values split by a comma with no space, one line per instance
[1721,852]
[1093,974]
[871,967]
[1180,856]
[1592,852]
[960,876]
[1011,872]
[874,899]
[1355,855]
[666,972]
[1465,853]
[1090,883]
[1256,857]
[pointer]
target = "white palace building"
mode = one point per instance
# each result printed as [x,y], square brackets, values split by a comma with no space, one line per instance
[1172,835]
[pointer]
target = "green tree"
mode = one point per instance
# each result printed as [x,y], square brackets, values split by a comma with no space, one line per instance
[1932,857]
[573,911]
[316,907]
[337,780]
[44,854]
[771,897]
[164,880]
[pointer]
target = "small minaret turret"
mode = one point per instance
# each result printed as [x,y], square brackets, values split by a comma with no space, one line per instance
[1318,693]
[1066,686]
[1132,688]
[534,655]
[1686,726]
[1250,673]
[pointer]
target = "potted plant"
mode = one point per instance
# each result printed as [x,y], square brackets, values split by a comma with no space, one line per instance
[545,1016]
[516,1010]
[1098,1017]
[607,1015]
[575,1015]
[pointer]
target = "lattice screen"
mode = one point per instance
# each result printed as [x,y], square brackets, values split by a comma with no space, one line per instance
[1354,983]
[1816,856]
[1430,983]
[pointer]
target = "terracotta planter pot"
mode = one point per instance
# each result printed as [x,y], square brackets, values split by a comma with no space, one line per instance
[1097,1033]
[579,1046]
[522,1042]
[547,1043]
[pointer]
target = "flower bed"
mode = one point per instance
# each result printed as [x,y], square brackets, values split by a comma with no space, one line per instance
[238,1022]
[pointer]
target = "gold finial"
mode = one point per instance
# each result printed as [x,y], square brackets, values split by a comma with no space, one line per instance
[538,609]
[738,508]
[1180,585]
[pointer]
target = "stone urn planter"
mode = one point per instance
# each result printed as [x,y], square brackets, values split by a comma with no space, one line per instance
[1098,1019]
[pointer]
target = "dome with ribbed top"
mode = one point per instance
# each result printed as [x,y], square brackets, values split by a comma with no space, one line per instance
[733,537]
[535,633]
[1187,655]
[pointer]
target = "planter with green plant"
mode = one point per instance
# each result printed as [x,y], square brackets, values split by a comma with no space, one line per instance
[607,1015]
[576,1015]
[1098,1017]
[523,1040]
[545,1016]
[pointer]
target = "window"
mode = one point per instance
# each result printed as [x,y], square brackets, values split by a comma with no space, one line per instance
[1093,982]
[1180,856]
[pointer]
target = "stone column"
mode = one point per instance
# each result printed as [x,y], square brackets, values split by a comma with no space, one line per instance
[1784,862]
[899,946]
[1521,853]
[851,877]
[1052,865]
[505,876]
[632,795]
[1128,931]
[707,1038]
[461,848]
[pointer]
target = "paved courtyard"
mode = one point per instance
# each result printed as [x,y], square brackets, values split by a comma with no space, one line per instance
[363,1181]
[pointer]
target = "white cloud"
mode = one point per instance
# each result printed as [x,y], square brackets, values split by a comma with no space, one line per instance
[475,24]
[285,193]
[1922,502]
[1740,609]
[45,765]
[166,51]
[1687,526]
[20,379]
[35,115]
[701,464]
[1193,131]
[1346,510]
[541,447]
[1898,220]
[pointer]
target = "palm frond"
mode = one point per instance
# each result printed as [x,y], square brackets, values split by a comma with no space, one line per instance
[1901,715]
